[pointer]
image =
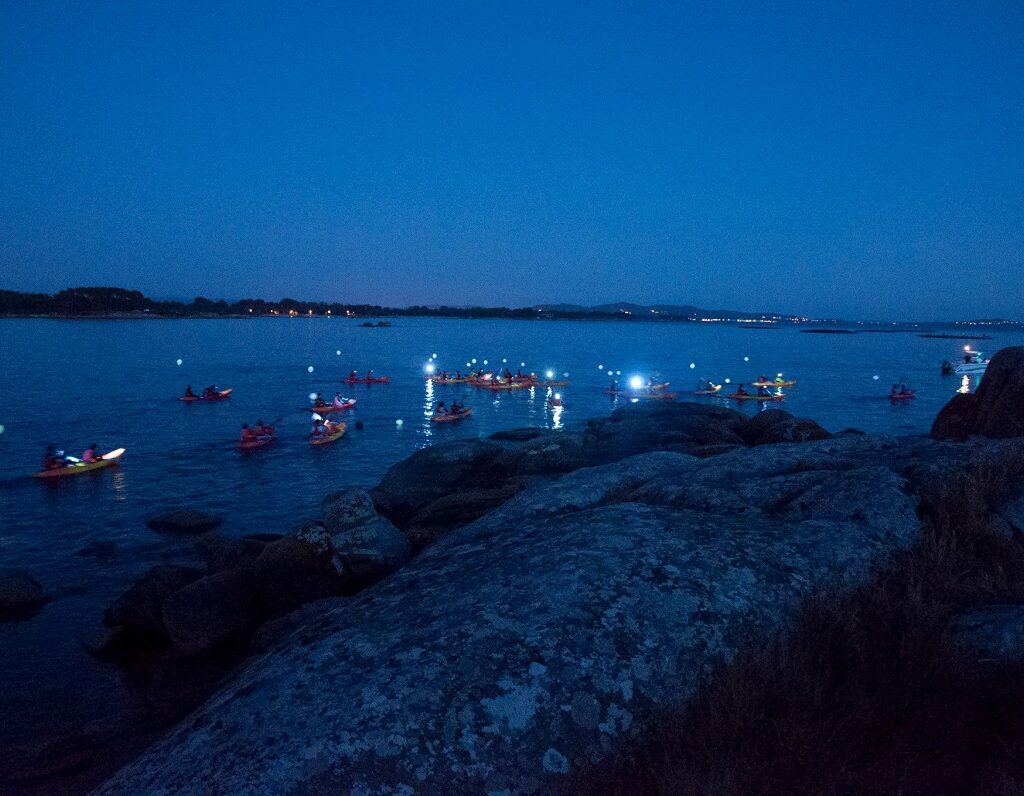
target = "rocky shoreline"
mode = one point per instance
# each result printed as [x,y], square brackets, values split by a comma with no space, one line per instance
[501,614]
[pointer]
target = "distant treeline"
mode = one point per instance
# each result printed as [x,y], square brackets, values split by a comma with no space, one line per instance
[79,302]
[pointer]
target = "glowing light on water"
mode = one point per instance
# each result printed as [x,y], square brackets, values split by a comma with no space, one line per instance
[600,367]
[728,381]
[550,374]
[429,367]
[778,375]
[565,375]
[693,365]
[485,361]
[618,373]
[610,373]
[399,422]
[504,361]
[1,429]
[312,396]
[746,359]
[179,362]
[558,397]
[875,377]
[433,356]
[636,382]
[338,352]
[473,360]
[522,364]
[310,369]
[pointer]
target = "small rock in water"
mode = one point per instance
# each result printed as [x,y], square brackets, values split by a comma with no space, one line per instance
[184,521]
[20,595]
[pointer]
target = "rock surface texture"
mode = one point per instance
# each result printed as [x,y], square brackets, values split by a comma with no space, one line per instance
[996,409]
[569,587]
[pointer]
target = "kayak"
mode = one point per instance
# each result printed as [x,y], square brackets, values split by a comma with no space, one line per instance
[656,396]
[220,396]
[77,468]
[338,433]
[905,396]
[374,380]
[257,442]
[773,383]
[552,384]
[326,409]
[451,418]
[736,397]
[712,391]
[515,385]
[438,380]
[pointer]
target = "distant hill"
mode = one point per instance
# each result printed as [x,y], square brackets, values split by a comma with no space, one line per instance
[687,311]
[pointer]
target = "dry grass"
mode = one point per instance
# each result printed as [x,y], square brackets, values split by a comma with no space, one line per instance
[865,695]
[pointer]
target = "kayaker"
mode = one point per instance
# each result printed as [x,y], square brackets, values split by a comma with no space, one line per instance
[262,429]
[903,389]
[319,402]
[50,460]
[90,456]
[762,390]
[320,427]
[701,385]
[894,391]
[741,391]
[440,408]
[762,377]
[188,392]
[353,376]
[369,375]
[210,392]
[247,433]
[338,402]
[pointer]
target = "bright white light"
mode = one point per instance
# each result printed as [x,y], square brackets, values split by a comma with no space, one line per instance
[429,367]
[693,365]
[312,396]
[485,361]
[610,373]
[550,374]
[467,364]
[310,369]
[338,352]
[504,361]
[433,356]
[600,367]
[636,382]
[618,373]
[778,375]
[875,377]
[399,422]
[522,364]
[967,348]
[746,359]
[728,381]
[179,361]
[474,360]
[558,397]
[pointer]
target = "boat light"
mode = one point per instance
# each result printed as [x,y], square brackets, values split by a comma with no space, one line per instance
[550,374]
[636,382]
[429,368]
[310,369]
[179,361]
[693,365]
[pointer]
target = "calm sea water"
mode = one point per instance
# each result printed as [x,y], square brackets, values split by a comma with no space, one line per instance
[114,383]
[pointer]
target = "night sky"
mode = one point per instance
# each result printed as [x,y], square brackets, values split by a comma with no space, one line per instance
[861,162]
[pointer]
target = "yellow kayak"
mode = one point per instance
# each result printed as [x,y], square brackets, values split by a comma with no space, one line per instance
[77,468]
[324,439]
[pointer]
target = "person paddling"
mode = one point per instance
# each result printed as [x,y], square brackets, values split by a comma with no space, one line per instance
[50,460]
[741,391]
[90,455]
[189,393]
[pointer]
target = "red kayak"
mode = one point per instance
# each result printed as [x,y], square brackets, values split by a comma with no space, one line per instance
[374,380]
[326,409]
[257,442]
[902,396]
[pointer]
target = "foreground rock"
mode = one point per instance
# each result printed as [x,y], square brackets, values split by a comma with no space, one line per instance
[21,595]
[996,409]
[184,521]
[534,640]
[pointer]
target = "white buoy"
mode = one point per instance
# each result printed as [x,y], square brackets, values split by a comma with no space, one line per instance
[338,352]
[399,422]
[179,362]
[746,359]
[728,381]
[875,377]
[310,369]
[693,365]
[312,396]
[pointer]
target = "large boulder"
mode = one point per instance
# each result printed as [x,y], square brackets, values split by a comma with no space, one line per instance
[534,641]
[996,409]
[371,551]
[21,595]
[772,426]
[141,606]
[221,553]
[346,509]
[298,568]
[212,611]
[184,521]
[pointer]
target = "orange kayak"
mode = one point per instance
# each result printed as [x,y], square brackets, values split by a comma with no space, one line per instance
[77,468]
[220,396]
[333,435]
[437,418]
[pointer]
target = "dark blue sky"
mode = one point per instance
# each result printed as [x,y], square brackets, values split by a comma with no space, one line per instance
[867,161]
